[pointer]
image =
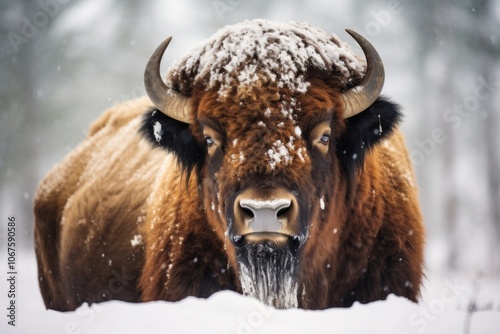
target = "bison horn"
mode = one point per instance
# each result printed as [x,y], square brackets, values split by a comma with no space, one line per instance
[168,101]
[359,98]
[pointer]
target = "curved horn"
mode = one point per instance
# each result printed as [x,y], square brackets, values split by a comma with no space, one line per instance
[166,100]
[359,98]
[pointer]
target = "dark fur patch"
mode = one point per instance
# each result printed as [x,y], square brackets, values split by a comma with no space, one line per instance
[175,137]
[363,132]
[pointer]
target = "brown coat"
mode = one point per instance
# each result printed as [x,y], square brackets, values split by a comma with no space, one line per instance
[118,219]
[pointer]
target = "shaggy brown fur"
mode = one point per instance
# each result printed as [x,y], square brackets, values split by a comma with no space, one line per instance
[90,207]
[118,219]
[361,249]
[114,186]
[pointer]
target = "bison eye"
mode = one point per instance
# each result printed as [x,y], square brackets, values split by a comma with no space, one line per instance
[210,141]
[321,135]
[325,138]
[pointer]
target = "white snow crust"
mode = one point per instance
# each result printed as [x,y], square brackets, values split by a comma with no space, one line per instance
[442,309]
[137,241]
[157,131]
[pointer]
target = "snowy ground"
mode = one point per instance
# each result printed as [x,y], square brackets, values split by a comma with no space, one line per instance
[442,310]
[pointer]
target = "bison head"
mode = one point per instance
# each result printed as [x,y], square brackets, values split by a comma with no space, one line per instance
[274,121]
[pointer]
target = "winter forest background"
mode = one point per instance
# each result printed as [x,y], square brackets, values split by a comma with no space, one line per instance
[64,61]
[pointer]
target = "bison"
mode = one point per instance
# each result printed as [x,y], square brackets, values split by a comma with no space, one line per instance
[267,163]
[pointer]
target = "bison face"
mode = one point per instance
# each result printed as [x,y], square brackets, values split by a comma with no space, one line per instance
[274,167]
[271,186]
[263,180]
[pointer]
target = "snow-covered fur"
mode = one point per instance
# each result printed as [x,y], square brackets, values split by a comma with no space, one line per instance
[119,219]
[268,53]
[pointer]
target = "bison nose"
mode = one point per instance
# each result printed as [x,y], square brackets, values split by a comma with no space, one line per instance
[266,215]
[265,210]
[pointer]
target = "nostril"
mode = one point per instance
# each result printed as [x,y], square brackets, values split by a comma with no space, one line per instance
[283,213]
[246,212]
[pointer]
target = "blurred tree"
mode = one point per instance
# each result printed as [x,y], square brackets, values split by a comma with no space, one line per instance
[484,39]
[44,75]
[19,110]
[459,40]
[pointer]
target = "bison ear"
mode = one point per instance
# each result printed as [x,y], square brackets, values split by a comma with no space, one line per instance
[365,130]
[174,136]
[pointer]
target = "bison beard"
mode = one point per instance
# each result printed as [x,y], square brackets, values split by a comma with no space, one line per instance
[268,271]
